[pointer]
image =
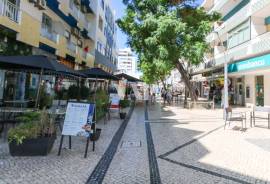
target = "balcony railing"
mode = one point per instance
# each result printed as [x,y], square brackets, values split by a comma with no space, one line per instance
[255,46]
[9,10]
[48,34]
[83,53]
[72,47]
[74,10]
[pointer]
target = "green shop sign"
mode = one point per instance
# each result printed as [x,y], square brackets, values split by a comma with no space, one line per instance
[250,64]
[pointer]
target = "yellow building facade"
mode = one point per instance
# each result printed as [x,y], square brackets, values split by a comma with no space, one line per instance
[59,28]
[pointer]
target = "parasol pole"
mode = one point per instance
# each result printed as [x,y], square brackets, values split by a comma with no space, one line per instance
[79,89]
[39,86]
[95,96]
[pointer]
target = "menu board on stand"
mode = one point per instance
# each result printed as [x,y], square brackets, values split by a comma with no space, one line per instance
[79,121]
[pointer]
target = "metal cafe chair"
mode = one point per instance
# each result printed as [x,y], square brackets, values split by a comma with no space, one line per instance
[235,117]
[55,103]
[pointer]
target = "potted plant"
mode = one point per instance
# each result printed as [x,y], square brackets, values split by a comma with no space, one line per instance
[102,99]
[84,92]
[123,104]
[34,136]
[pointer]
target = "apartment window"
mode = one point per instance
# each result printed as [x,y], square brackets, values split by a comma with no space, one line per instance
[100,24]
[47,22]
[239,35]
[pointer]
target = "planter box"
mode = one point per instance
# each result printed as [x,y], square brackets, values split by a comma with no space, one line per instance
[32,147]
[95,137]
[123,115]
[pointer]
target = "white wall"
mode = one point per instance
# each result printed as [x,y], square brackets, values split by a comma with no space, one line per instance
[267,89]
[257,26]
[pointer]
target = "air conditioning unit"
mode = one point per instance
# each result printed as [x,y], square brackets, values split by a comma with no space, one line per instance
[219,44]
[75,31]
[33,1]
[67,34]
[79,43]
[41,4]
[77,2]
[219,23]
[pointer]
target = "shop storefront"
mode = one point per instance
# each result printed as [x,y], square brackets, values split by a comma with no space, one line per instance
[251,81]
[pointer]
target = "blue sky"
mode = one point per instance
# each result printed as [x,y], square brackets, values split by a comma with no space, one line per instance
[119,8]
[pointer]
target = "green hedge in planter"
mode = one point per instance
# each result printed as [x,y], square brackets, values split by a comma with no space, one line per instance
[74,89]
[85,91]
[33,125]
[124,103]
[61,94]
[102,99]
[73,92]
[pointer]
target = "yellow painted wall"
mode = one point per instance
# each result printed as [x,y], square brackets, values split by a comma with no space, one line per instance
[62,49]
[29,30]
[5,21]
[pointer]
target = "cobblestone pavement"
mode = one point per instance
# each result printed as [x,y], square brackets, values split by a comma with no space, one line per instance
[98,174]
[130,164]
[71,167]
[193,147]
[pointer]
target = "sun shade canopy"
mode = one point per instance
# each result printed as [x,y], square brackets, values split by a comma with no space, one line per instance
[98,73]
[37,63]
[128,77]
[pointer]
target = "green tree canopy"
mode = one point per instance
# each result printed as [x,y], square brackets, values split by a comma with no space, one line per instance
[169,33]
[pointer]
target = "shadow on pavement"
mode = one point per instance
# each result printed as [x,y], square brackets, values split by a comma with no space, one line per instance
[190,152]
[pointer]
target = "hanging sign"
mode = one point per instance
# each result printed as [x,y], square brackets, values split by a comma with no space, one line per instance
[122,88]
[135,89]
[250,64]
[78,117]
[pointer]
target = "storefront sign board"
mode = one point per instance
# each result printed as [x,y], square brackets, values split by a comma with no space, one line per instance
[250,64]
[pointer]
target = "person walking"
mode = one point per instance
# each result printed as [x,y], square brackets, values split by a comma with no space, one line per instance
[153,98]
[169,97]
[163,95]
[146,96]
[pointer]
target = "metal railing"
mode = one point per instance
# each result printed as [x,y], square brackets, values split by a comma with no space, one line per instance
[9,10]
[48,34]
[83,53]
[74,10]
[86,23]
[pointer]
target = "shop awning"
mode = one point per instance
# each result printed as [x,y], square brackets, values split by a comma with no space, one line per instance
[212,69]
[36,63]
[128,77]
[98,73]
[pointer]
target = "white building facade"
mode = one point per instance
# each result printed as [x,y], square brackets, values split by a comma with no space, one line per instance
[127,62]
[242,39]
[105,35]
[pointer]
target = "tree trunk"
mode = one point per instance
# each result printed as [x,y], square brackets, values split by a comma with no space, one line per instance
[186,79]
[164,85]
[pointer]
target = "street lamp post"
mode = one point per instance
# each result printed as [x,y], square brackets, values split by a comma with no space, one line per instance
[226,87]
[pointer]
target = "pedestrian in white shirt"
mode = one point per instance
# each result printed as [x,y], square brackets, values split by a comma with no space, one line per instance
[146,96]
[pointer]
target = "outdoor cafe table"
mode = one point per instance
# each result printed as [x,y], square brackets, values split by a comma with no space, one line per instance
[176,96]
[8,112]
[17,103]
[8,115]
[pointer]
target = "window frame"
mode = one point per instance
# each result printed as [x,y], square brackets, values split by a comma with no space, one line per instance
[240,28]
